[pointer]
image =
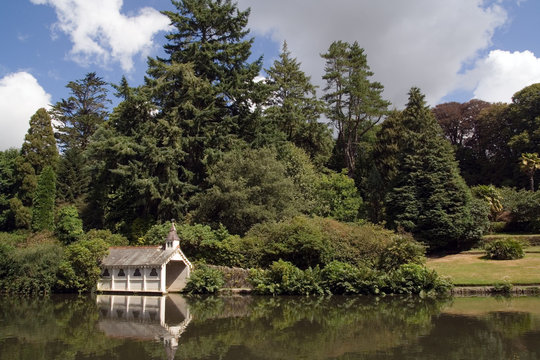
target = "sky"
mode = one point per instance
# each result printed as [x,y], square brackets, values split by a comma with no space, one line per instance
[454,50]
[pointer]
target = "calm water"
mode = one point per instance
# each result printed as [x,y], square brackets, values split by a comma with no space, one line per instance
[132,327]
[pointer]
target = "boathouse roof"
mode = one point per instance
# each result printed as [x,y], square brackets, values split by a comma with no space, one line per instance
[137,256]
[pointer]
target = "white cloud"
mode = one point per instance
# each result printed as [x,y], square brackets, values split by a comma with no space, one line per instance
[501,74]
[100,33]
[20,97]
[408,43]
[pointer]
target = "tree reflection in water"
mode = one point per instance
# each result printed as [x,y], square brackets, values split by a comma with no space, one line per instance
[65,327]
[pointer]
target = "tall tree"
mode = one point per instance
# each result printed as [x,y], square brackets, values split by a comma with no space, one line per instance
[210,37]
[294,109]
[429,198]
[79,116]
[354,102]
[38,151]
[44,198]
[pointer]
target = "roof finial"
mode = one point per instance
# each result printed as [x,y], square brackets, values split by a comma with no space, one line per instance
[172,224]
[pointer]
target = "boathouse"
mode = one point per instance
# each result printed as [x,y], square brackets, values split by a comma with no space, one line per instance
[145,269]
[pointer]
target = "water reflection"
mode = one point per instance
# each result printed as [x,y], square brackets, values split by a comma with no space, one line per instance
[136,327]
[159,318]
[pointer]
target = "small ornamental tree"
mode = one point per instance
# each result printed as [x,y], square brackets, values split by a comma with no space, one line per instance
[44,197]
[69,226]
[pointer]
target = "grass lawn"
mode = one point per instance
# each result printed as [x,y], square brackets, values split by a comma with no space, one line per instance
[471,269]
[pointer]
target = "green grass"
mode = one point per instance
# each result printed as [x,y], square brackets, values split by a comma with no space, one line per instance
[469,269]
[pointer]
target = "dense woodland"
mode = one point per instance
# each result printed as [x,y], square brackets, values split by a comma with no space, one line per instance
[260,171]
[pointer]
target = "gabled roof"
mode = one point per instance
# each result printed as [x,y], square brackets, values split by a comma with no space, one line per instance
[137,256]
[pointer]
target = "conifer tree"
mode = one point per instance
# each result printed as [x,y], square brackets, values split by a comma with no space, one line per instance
[209,42]
[354,102]
[428,196]
[44,198]
[38,151]
[294,109]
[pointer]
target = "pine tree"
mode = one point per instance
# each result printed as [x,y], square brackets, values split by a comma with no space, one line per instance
[354,103]
[294,109]
[208,43]
[80,115]
[44,198]
[428,196]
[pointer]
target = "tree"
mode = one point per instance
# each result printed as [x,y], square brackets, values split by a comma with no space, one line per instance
[294,109]
[38,151]
[428,196]
[69,225]
[136,162]
[79,116]
[39,147]
[45,195]
[247,187]
[338,197]
[209,38]
[8,187]
[524,116]
[354,103]
[529,163]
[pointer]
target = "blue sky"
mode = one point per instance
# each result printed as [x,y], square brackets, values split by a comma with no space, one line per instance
[453,50]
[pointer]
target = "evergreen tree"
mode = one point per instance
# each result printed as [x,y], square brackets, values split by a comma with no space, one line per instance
[44,198]
[80,115]
[294,108]
[354,103]
[38,151]
[8,187]
[428,198]
[209,42]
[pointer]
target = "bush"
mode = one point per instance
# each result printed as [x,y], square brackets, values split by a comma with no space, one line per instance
[416,279]
[341,278]
[504,249]
[204,280]
[402,250]
[283,278]
[521,210]
[69,227]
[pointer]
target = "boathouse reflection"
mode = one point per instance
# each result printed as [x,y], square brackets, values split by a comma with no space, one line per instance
[157,318]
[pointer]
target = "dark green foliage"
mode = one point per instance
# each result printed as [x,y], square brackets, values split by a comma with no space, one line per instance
[337,197]
[22,215]
[69,225]
[293,108]
[402,250]
[204,280]
[39,147]
[341,278]
[72,177]
[80,115]
[429,198]
[283,278]
[106,236]
[246,187]
[8,187]
[504,249]
[44,198]
[29,270]
[524,116]
[521,210]
[79,270]
[354,103]
[300,241]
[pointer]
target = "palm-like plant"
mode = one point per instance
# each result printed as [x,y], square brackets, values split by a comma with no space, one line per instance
[529,163]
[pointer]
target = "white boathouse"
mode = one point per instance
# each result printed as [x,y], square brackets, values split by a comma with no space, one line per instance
[146,269]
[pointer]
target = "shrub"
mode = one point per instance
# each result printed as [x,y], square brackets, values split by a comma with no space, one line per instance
[416,279]
[503,288]
[69,227]
[283,278]
[504,249]
[521,209]
[402,250]
[204,280]
[340,278]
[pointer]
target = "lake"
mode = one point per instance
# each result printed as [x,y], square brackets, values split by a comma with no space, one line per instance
[246,327]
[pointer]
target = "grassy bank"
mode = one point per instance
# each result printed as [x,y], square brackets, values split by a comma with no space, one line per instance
[469,269]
